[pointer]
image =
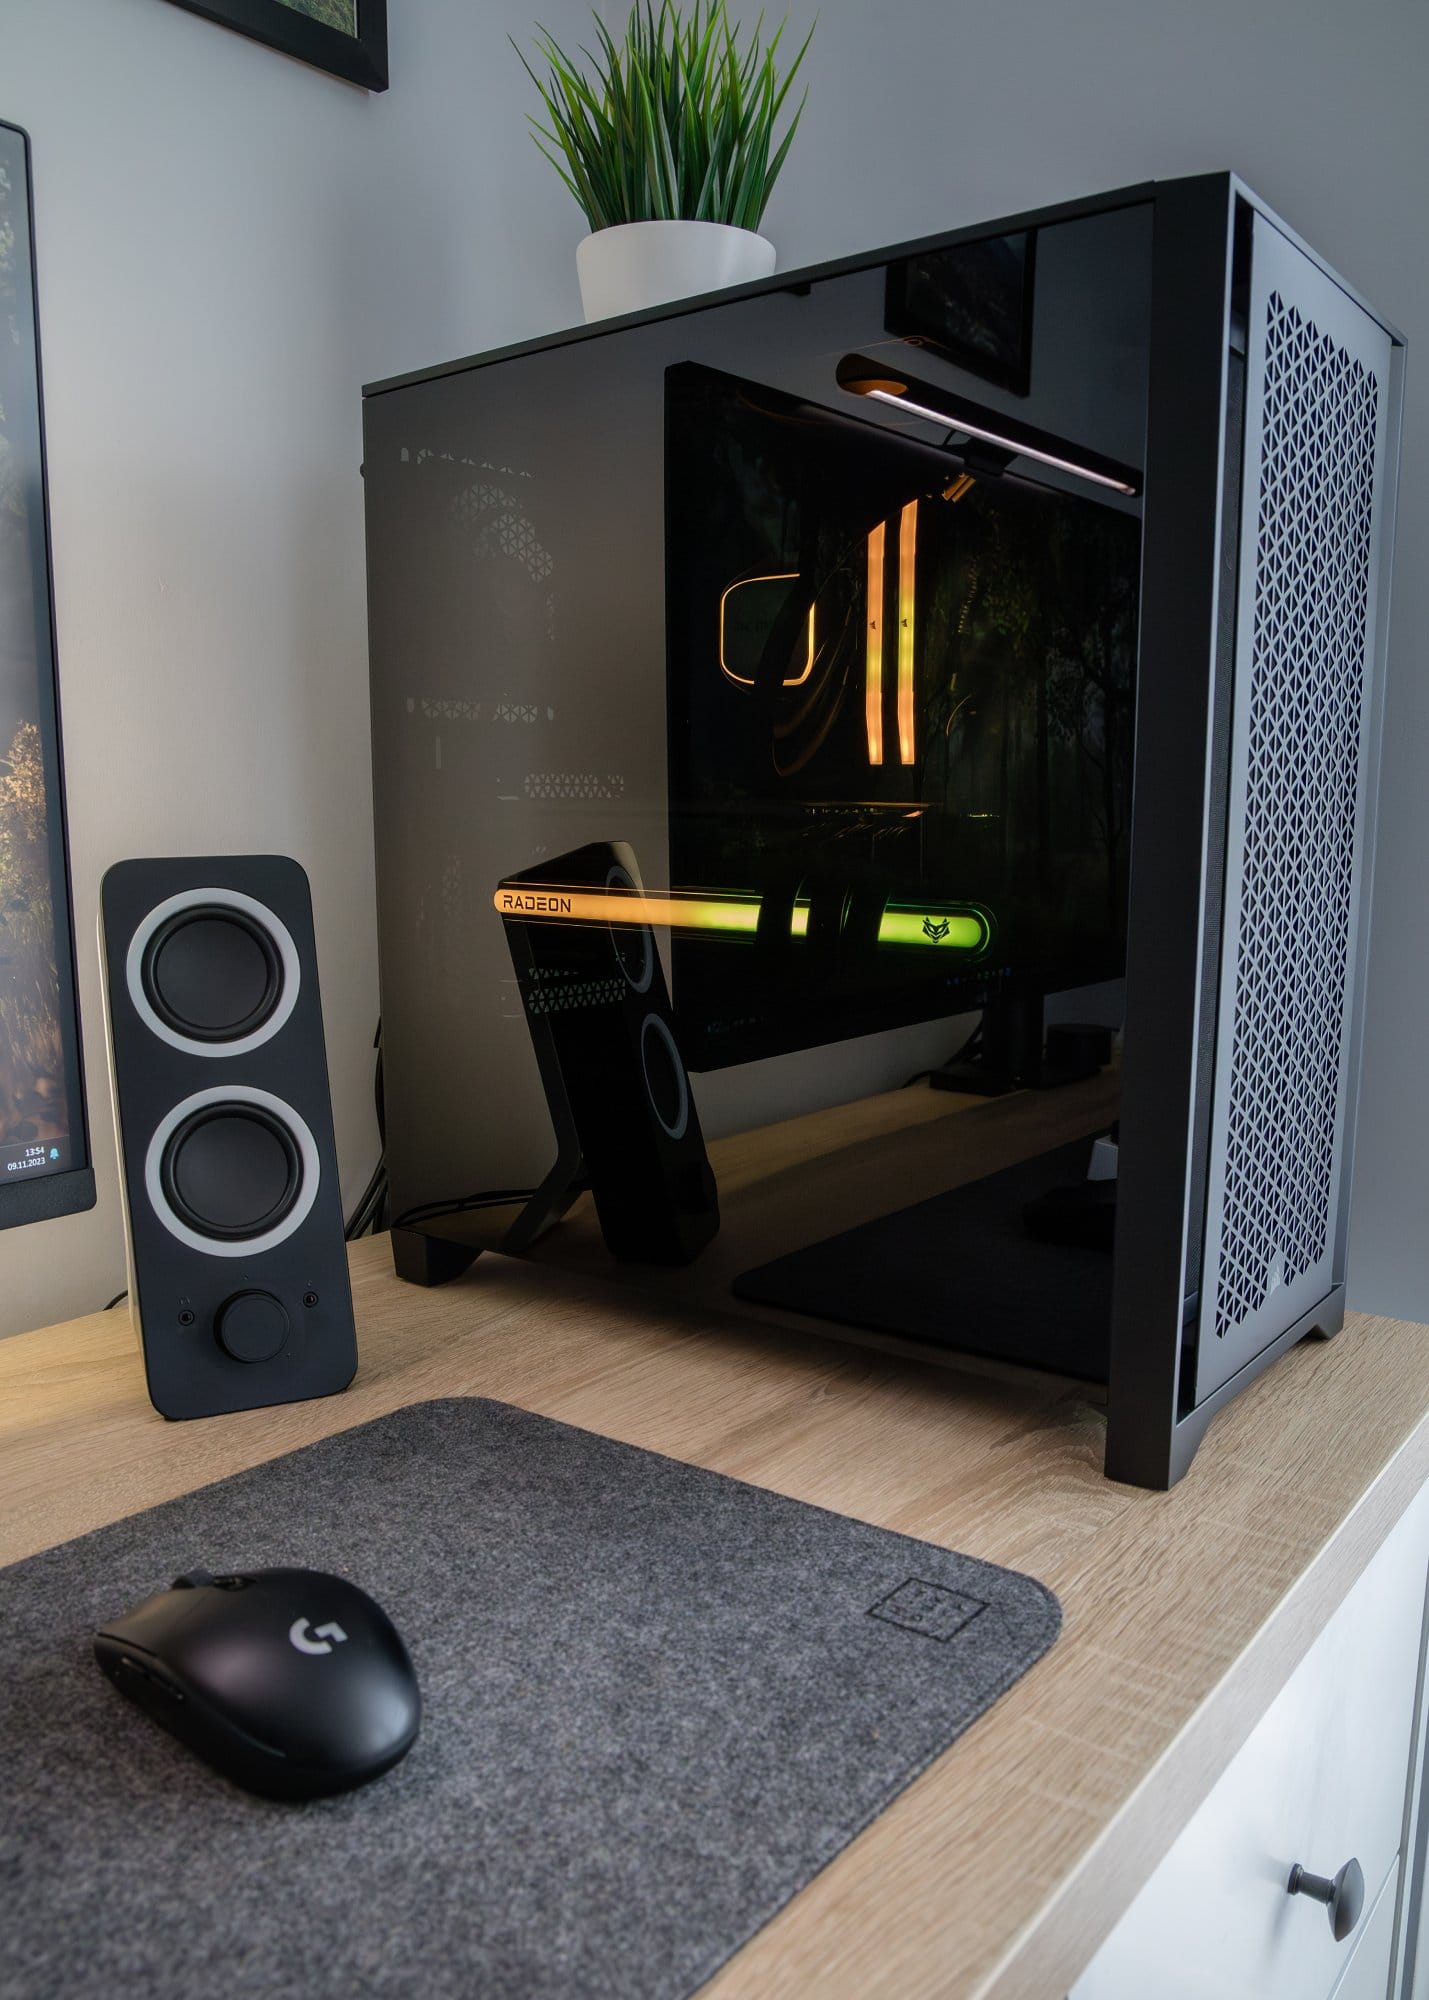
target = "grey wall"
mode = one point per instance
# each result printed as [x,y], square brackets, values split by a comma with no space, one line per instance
[231,243]
[924,115]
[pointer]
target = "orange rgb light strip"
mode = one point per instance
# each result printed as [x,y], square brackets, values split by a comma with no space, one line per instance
[605,906]
[873,649]
[962,926]
[907,564]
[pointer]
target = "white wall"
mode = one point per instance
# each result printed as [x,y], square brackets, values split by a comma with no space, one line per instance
[231,243]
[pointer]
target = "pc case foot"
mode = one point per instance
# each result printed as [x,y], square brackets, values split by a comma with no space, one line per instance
[430,1260]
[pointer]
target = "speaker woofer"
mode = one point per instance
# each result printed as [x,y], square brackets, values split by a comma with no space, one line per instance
[231,1171]
[212,974]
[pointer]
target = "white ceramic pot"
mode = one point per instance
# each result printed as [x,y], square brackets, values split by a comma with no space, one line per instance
[638,264]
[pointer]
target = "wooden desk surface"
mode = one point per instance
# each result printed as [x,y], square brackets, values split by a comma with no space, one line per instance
[787,1185]
[1002,1868]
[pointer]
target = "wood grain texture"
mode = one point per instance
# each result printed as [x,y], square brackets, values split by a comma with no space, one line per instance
[1000,1871]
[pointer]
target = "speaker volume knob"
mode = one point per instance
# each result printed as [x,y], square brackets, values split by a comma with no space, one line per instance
[253,1326]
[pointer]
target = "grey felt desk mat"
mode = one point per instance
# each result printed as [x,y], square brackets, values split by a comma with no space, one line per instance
[657,1701]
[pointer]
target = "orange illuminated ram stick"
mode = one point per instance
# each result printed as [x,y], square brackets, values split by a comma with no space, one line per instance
[873,649]
[907,566]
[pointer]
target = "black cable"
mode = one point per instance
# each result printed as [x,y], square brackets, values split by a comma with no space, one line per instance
[367,1217]
[379,1093]
[116,1299]
[361,1215]
[370,1212]
[381,1211]
[353,1223]
[492,1198]
[376,1194]
[371,1203]
[966,1050]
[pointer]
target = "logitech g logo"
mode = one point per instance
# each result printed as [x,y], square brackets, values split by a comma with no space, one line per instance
[322,1640]
[936,931]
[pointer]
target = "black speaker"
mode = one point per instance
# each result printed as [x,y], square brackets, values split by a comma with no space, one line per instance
[238,1280]
[595,998]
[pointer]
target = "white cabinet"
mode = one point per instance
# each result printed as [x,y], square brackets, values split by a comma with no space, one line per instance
[1321,1779]
[1366,1977]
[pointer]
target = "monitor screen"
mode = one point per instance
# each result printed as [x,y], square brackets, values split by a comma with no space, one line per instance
[43,1153]
[900,723]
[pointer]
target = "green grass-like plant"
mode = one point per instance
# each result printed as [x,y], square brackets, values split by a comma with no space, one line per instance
[673,122]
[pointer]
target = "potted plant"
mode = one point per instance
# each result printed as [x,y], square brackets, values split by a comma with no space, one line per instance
[667,141]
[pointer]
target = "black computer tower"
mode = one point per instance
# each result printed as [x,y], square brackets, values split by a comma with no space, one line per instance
[519,525]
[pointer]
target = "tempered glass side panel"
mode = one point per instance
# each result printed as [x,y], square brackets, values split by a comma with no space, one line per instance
[900,700]
[563,579]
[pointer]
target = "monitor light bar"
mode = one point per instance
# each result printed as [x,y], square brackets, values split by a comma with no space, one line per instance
[953,926]
[861,377]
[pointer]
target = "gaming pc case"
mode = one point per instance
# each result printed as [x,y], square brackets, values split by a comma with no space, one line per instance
[524,626]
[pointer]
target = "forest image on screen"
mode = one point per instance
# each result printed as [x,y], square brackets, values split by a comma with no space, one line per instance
[34,1089]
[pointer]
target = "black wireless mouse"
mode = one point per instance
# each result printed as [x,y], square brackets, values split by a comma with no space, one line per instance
[292,1683]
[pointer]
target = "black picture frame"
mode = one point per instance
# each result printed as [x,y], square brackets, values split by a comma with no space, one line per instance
[359,58]
[970,303]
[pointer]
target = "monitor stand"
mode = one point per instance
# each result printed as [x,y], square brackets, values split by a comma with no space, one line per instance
[962,1272]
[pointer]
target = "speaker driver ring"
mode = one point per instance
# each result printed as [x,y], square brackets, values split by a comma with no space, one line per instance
[289,1213]
[194,905]
[666,1074]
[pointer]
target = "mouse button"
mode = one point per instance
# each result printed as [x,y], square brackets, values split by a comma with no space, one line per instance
[204,1639]
[152,1624]
[191,1580]
[123,1669]
[150,1675]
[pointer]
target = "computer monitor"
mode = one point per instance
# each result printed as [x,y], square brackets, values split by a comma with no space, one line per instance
[45,1167]
[899,702]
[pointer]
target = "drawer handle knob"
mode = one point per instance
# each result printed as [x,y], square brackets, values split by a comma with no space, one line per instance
[1343,1896]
